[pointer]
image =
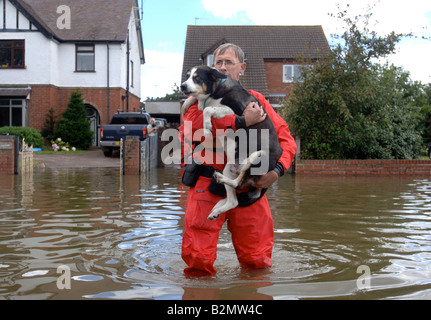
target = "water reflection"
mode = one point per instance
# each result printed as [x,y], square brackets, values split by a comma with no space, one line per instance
[121,238]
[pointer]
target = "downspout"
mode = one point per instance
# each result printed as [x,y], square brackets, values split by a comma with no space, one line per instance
[128,71]
[107,82]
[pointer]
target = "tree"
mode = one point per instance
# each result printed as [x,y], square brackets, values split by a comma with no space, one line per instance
[350,106]
[49,125]
[74,127]
[426,114]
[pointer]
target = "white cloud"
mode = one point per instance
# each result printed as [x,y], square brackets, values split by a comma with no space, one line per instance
[413,56]
[391,16]
[161,71]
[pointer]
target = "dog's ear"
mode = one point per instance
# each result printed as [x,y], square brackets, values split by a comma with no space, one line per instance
[217,75]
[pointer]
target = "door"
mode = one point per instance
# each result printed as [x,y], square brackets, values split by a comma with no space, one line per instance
[94,118]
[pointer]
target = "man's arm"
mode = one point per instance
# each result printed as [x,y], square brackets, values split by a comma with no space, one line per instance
[252,115]
[286,141]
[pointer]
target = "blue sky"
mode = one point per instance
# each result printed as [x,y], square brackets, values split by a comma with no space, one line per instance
[165,22]
[165,27]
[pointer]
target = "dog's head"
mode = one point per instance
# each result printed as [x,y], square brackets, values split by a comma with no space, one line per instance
[202,81]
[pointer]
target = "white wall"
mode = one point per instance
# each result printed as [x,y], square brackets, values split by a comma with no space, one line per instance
[38,60]
[135,57]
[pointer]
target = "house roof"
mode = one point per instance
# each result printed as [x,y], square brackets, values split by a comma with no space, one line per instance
[259,43]
[95,20]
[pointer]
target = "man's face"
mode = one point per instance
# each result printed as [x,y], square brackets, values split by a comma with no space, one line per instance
[229,64]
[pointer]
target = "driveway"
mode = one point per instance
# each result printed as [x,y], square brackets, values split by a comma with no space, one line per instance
[90,159]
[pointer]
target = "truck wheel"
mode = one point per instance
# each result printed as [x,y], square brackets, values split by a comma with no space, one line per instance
[107,153]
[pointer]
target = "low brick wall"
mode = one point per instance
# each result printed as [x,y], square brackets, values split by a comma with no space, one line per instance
[132,156]
[8,156]
[364,167]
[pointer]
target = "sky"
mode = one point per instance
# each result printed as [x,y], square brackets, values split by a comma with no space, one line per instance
[164,25]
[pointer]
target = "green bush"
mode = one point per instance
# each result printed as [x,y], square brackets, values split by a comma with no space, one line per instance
[31,136]
[74,127]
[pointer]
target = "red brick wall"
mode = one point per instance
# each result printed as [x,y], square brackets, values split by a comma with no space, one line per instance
[274,77]
[132,156]
[364,167]
[7,157]
[44,97]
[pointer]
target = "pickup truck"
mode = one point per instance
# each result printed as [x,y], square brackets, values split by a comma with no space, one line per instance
[123,124]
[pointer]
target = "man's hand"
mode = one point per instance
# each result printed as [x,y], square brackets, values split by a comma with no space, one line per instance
[253,114]
[266,180]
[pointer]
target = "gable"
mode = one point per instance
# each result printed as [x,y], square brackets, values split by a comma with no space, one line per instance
[16,18]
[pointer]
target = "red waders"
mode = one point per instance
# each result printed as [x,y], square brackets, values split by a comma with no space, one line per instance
[251,227]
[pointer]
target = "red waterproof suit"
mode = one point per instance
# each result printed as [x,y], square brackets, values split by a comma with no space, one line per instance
[251,227]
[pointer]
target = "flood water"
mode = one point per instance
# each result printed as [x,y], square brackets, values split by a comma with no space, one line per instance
[120,238]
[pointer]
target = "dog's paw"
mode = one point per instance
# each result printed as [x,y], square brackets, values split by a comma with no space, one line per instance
[218,177]
[187,104]
[213,215]
[217,210]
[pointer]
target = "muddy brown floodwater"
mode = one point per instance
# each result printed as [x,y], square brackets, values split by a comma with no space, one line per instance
[120,238]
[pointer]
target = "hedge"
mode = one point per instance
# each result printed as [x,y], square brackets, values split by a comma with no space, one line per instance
[31,136]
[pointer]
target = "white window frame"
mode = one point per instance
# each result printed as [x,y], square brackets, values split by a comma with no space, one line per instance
[82,51]
[292,73]
[210,60]
[131,74]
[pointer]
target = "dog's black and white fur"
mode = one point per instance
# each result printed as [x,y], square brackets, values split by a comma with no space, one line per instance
[218,96]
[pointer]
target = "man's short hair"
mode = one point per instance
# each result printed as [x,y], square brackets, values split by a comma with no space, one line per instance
[238,51]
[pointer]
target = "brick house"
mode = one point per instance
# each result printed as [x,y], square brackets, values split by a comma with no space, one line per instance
[49,48]
[271,51]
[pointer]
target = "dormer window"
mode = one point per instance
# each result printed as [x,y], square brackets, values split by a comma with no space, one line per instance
[85,58]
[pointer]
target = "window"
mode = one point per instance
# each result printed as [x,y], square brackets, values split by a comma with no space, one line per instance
[292,73]
[129,119]
[131,74]
[12,54]
[210,60]
[85,58]
[12,112]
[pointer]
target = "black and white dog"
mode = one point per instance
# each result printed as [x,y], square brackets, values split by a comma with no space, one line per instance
[218,96]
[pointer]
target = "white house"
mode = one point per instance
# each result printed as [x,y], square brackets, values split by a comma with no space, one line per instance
[49,48]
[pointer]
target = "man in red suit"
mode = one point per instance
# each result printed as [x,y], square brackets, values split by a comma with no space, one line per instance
[251,226]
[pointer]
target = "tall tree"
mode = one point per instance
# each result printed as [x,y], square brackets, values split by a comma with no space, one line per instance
[74,128]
